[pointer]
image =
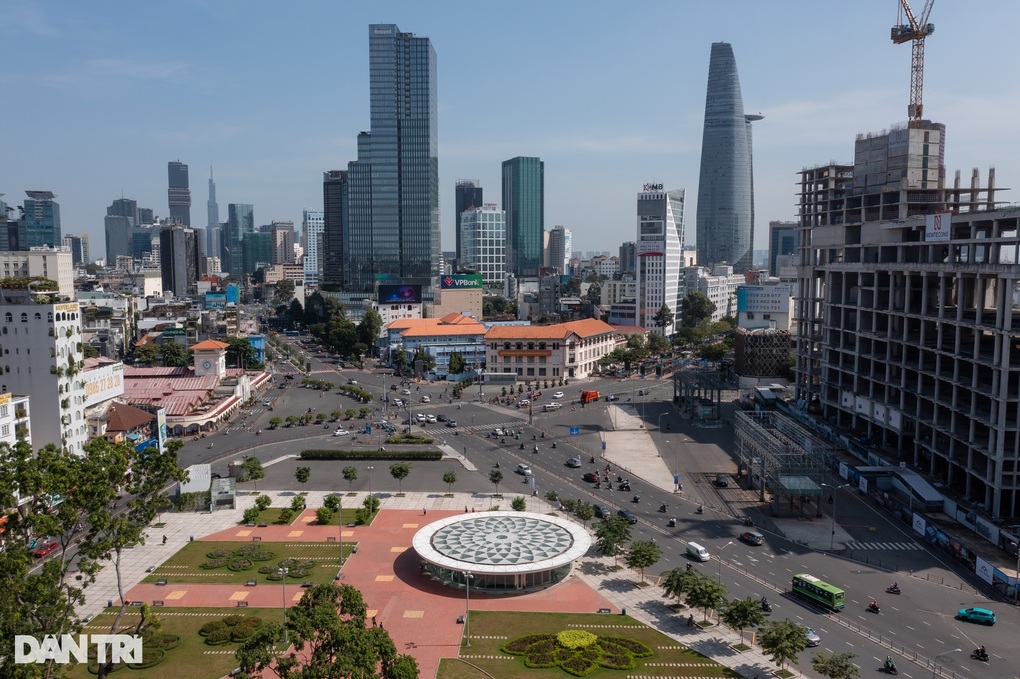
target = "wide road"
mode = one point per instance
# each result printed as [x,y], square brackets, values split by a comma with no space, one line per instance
[918,621]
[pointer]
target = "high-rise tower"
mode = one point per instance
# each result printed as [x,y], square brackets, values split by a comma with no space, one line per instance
[725,223]
[212,229]
[524,202]
[40,221]
[393,218]
[179,194]
[468,194]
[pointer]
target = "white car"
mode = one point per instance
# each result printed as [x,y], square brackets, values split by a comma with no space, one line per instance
[405,392]
[431,419]
[267,403]
[499,432]
[420,417]
[558,394]
[524,402]
[426,399]
[341,432]
[524,469]
[574,462]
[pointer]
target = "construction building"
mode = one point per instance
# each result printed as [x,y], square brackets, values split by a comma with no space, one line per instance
[907,328]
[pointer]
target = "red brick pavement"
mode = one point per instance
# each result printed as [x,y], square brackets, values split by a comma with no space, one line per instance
[419,613]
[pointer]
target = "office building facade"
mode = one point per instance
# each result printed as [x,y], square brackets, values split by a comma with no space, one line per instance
[240,223]
[660,237]
[467,194]
[335,203]
[79,247]
[524,203]
[179,192]
[560,249]
[283,242]
[39,225]
[483,243]
[312,226]
[392,225]
[212,228]
[179,259]
[784,237]
[725,219]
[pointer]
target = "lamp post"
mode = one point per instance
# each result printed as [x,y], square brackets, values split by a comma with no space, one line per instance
[832,536]
[1016,585]
[283,582]
[718,576]
[935,662]
[340,524]
[369,469]
[662,415]
[467,607]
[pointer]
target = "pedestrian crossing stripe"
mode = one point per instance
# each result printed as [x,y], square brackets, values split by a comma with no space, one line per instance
[475,428]
[883,545]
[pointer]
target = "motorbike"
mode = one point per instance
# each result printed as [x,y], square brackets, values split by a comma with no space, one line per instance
[625,486]
[662,508]
[766,606]
[598,485]
[554,445]
[636,499]
[890,667]
[619,479]
[592,459]
[892,589]
[543,434]
[535,449]
[749,521]
[522,446]
[701,509]
[497,464]
[874,608]
[210,445]
[979,655]
[672,523]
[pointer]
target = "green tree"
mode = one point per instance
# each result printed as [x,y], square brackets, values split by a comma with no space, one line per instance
[643,554]
[147,354]
[398,357]
[250,515]
[743,613]
[705,593]
[428,361]
[585,512]
[518,504]
[90,351]
[495,478]
[696,307]
[611,535]
[320,418]
[836,665]
[174,355]
[457,363]
[328,629]
[284,291]
[323,515]
[400,471]
[713,352]
[253,470]
[274,422]
[678,582]
[240,353]
[663,318]
[263,502]
[297,503]
[783,640]
[370,328]
[350,476]
[331,502]
[657,344]
[302,474]
[450,478]
[292,420]
[350,413]
[295,312]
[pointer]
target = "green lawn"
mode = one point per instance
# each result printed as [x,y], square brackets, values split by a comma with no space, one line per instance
[190,657]
[496,624]
[185,565]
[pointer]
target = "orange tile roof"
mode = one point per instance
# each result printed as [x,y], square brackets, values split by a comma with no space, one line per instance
[210,345]
[586,328]
[409,322]
[437,330]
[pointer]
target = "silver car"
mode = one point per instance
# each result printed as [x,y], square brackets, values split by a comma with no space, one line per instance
[812,638]
[574,462]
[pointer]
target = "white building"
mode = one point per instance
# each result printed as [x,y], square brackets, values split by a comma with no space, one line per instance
[483,243]
[718,284]
[14,419]
[43,359]
[616,291]
[52,263]
[548,351]
[559,249]
[313,224]
[660,237]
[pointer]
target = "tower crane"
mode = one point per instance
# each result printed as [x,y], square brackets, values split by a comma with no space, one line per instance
[914,30]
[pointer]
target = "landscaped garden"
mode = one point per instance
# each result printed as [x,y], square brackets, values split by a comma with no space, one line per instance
[214,563]
[558,645]
[191,642]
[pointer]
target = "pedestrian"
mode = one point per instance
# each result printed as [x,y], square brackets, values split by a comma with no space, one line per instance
[465,509]
[164,539]
[374,624]
[424,511]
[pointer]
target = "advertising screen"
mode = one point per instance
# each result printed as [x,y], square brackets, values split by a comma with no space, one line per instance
[399,294]
[763,299]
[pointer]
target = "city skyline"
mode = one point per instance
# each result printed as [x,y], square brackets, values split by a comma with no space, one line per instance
[85,140]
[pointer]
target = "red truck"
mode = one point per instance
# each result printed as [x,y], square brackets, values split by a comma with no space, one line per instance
[587,396]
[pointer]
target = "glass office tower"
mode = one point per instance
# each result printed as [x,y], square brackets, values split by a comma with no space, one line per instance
[725,221]
[524,202]
[392,228]
[179,192]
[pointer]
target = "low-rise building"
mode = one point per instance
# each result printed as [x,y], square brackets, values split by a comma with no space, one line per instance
[549,351]
[440,338]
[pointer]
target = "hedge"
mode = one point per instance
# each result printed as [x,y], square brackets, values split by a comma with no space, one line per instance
[374,454]
[410,438]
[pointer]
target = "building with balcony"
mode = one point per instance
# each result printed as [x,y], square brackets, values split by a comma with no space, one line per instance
[549,351]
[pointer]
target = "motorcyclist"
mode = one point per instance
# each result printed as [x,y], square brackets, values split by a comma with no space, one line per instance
[889,662]
[895,587]
[980,652]
[701,509]
[873,604]
[672,522]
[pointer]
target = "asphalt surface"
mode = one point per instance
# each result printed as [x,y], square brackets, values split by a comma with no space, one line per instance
[918,623]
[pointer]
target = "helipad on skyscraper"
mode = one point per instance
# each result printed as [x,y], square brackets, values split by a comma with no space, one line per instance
[501,550]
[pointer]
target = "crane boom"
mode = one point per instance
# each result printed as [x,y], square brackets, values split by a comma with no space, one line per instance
[914,32]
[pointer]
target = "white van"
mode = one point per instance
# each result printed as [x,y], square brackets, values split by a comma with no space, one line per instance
[697,552]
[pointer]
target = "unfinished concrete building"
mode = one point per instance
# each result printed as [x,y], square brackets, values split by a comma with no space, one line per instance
[908,338]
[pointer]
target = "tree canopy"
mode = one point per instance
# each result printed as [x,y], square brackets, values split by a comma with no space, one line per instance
[696,307]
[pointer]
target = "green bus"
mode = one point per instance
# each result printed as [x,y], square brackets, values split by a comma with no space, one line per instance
[810,587]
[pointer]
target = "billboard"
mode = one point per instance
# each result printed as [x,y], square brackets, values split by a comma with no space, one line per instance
[645,248]
[774,299]
[460,281]
[215,300]
[233,294]
[399,294]
[161,422]
[103,383]
[937,227]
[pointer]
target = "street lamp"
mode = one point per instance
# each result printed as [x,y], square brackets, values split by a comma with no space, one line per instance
[467,607]
[1016,585]
[832,536]
[935,662]
[370,481]
[718,576]
[660,421]
[282,572]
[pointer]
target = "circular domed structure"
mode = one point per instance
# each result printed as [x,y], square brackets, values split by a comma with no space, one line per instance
[502,551]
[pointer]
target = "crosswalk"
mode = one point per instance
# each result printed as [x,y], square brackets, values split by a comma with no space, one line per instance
[479,429]
[854,546]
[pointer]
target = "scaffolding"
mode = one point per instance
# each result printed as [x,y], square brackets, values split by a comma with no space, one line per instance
[762,352]
[779,455]
[698,390]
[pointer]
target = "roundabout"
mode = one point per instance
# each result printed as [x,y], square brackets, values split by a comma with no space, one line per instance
[501,551]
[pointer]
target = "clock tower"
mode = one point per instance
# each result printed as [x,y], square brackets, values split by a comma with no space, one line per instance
[210,358]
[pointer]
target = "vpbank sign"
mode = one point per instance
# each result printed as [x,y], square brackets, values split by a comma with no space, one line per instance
[116,648]
[461,281]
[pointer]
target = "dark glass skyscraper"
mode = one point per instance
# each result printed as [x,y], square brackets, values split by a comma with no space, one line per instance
[240,223]
[393,187]
[40,222]
[178,259]
[524,203]
[725,225]
[212,229]
[334,228]
[468,194]
[179,194]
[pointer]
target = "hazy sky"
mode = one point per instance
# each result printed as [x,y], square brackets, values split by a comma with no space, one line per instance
[98,96]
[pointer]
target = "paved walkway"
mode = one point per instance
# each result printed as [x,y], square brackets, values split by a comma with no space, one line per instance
[419,613]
